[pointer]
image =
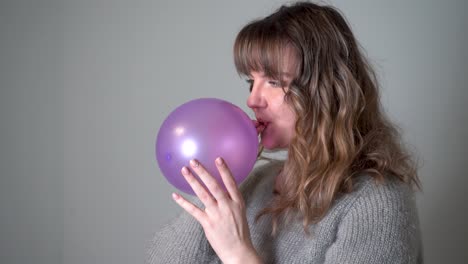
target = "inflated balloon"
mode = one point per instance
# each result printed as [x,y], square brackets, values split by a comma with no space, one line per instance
[205,129]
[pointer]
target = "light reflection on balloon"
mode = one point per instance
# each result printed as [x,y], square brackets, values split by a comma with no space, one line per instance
[189,148]
[179,131]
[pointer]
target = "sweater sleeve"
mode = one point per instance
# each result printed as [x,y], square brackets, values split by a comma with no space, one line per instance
[381,226]
[181,241]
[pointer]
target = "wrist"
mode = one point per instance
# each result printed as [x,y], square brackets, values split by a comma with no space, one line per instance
[248,255]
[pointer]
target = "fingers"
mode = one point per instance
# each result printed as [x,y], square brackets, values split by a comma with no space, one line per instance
[208,180]
[228,179]
[198,188]
[194,211]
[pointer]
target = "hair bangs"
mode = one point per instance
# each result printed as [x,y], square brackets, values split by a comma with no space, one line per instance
[260,47]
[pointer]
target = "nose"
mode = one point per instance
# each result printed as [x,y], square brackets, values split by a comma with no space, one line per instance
[256,98]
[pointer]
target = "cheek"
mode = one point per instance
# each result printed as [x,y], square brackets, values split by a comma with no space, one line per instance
[284,113]
[290,121]
[287,122]
[291,124]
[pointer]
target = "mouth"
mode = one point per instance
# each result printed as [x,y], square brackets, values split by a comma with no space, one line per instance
[262,124]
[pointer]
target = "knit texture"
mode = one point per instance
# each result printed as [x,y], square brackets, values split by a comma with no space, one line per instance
[376,223]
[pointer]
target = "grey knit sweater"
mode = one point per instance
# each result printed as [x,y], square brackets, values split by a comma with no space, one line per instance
[376,223]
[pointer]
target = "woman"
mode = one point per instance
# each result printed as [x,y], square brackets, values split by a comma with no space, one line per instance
[345,192]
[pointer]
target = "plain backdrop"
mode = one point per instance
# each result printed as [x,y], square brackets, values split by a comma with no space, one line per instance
[85,86]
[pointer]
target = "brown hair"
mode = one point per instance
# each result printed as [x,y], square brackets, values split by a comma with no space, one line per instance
[341,130]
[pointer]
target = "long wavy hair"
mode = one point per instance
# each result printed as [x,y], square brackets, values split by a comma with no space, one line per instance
[341,129]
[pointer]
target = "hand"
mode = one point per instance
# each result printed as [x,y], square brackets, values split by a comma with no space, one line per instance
[223,219]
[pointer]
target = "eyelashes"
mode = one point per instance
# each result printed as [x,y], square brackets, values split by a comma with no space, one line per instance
[272,83]
[250,84]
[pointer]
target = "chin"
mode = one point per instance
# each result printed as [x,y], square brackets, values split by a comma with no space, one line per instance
[271,144]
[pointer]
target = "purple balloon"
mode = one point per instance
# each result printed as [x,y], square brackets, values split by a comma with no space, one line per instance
[205,129]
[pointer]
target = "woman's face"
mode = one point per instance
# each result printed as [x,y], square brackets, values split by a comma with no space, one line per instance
[276,118]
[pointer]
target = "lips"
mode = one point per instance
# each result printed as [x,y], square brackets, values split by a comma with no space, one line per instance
[262,125]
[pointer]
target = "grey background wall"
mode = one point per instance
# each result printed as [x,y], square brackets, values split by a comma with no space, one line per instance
[85,86]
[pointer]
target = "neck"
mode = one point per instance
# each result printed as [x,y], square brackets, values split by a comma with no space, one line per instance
[278,182]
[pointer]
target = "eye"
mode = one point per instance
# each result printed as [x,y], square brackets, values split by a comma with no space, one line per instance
[274,83]
[250,82]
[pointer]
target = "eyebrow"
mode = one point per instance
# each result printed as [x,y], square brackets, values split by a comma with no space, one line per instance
[282,74]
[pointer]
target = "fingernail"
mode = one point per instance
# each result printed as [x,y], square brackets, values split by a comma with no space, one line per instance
[194,163]
[219,161]
[184,170]
[175,196]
